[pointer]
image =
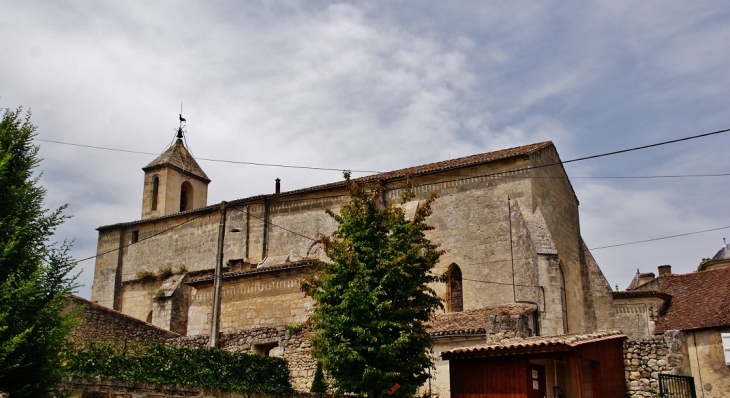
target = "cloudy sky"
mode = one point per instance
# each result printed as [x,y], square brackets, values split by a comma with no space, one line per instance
[380,86]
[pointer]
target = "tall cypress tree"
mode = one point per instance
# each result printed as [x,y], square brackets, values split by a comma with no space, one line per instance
[34,273]
[372,298]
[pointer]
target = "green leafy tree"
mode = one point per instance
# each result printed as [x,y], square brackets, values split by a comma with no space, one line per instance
[34,273]
[703,264]
[373,298]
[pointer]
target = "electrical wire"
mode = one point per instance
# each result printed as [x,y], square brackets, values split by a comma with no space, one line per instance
[374,171]
[606,247]
[208,159]
[474,263]
[575,251]
[425,184]
[147,237]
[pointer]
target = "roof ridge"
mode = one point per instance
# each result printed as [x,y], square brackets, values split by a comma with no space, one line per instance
[428,168]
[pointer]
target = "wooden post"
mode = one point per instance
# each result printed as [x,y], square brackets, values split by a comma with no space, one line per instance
[576,376]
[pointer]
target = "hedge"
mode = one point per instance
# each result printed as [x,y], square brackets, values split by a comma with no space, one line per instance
[199,367]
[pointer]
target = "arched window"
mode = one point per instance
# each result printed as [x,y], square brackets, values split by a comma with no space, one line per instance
[155,188]
[186,196]
[563,299]
[455,289]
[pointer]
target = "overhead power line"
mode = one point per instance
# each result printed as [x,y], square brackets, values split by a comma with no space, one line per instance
[648,146]
[375,171]
[425,184]
[168,229]
[209,160]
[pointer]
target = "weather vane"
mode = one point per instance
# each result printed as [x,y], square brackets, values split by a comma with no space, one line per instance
[182,120]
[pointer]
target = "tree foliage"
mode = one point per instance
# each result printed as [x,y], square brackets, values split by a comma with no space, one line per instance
[373,298]
[34,273]
[703,263]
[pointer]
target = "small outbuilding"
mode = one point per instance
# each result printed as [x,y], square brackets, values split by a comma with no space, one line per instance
[564,366]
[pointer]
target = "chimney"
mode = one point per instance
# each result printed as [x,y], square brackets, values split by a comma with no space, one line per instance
[278,186]
[645,277]
[665,269]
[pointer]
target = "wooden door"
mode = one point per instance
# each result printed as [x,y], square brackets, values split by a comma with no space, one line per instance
[536,387]
[596,382]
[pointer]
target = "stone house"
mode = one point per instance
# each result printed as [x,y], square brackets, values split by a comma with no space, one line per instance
[677,321]
[508,221]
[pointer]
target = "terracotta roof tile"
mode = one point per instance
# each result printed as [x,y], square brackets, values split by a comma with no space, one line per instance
[425,169]
[471,321]
[641,294]
[533,344]
[436,167]
[699,300]
[253,271]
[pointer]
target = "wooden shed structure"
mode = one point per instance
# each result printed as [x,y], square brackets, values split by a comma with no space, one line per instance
[566,366]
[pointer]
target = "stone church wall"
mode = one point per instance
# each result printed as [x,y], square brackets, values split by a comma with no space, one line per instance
[267,299]
[471,221]
[484,234]
[553,195]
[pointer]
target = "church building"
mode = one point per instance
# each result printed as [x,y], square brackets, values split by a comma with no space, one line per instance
[508,221]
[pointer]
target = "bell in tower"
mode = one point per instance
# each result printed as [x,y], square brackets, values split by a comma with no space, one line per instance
[174,182]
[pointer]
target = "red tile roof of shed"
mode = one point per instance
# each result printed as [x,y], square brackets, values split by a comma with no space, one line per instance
[303,263]
[471,321]
[699,300]
[533,345]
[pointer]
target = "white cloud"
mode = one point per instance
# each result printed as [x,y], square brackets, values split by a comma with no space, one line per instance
[613,215]
[374,86]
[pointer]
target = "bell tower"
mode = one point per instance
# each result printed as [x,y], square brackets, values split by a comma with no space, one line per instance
[174,182]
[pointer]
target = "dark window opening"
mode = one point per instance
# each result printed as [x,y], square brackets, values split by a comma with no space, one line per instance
[135,236]
[266,349]
[155,188]
[456,289]
[186,196]
[563,300]
[533,324]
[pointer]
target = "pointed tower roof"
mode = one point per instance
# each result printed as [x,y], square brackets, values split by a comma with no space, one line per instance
[724,253]
[178,157]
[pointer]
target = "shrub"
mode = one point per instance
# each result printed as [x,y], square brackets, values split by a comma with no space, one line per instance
[198,367]
[164,273]
[146,276]
[159,296]
[294,327]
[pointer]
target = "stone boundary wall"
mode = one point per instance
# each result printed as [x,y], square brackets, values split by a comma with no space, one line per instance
[646,357]
[108,388]
[288,343]
[100,324]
